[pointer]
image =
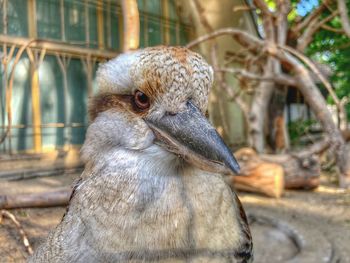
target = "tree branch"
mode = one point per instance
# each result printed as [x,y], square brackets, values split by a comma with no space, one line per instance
[243,8]
[4,213]
[235,96]
[313,15]
[261,4]
[282,79]
[283,7]
[332,29]
[202,18]
[267,17]
[315,70]
[343,11]
[243,38]
[307,36]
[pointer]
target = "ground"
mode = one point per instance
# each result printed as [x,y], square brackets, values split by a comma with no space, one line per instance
[302,226]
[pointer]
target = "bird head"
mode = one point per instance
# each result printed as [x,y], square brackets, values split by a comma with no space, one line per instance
[157,97]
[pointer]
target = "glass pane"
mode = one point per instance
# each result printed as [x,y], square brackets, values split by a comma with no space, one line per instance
[172,32]
[183,35]
[22,137]
[93,25]
[142,31]
[111,25]
[172,9]
[74,16]
[17,18]
[141,5]
[48,19]
[115,30]
[77,86]
[153,7]
[154,32]
[52,101]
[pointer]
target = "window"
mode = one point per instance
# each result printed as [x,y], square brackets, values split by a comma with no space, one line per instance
[16,12]
[160,23]
[112,16]
[72,21]
[48,27]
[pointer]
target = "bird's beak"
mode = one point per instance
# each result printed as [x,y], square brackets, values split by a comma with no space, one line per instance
[190,135]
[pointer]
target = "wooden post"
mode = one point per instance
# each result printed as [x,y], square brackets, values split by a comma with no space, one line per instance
[36,110]
[35,89]
[166,25]
[100,25]
[32,18]
[35,62]
[131,25]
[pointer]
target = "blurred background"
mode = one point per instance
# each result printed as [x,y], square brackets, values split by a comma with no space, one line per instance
[280,100]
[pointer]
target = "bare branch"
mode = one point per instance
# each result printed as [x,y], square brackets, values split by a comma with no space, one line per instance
[313,27]
[20,229]
[332,29]
[319,106]
[326,83]
[283,8]
[243,8]
[245,39]
[261,4]
[220,77]
[343,11]
[315,70]
[267,17]
[282,79]
[202,18]
[313,15]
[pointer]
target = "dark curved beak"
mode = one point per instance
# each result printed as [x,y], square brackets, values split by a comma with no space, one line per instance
[190,135]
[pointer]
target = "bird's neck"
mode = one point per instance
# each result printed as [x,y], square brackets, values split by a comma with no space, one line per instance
[151,162]
[151,200]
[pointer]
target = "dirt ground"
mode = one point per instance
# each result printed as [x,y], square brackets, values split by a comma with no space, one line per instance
[302,226]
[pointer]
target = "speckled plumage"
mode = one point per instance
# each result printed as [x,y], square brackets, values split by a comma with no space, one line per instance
[136,201]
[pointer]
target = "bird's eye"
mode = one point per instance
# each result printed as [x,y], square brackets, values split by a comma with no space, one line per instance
[141,100]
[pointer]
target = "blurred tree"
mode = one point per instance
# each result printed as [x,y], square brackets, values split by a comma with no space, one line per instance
[331,46]
[278,60]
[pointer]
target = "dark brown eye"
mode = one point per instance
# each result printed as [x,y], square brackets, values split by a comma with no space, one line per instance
[141,100]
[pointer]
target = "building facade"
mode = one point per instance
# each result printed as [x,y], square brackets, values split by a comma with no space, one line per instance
[50,51]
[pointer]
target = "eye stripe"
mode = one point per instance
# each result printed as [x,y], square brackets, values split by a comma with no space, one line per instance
[109,101]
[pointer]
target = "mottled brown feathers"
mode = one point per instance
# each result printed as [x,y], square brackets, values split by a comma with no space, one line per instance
[151,88]
[181,54]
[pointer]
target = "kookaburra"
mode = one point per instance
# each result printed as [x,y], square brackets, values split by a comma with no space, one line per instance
[153,188]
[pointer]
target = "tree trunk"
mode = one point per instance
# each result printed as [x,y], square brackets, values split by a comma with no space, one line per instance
[264,178]
[299,173]
[301,170]
[318,105]
[278,136]
[46,199]
[258,112]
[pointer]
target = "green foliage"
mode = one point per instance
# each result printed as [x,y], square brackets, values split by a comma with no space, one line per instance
[334,49]
[271,4]
[299,128]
